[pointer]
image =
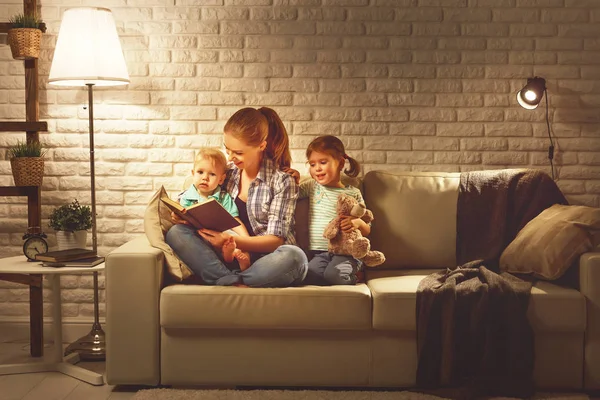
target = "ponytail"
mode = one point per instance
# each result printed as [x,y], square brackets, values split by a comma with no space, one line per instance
[278,148]
[354,168]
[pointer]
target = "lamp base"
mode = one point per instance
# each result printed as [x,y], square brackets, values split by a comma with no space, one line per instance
[91,346]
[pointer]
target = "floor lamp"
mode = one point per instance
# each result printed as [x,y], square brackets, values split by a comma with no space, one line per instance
[88,53]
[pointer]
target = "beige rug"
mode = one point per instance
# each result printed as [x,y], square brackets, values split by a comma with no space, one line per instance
[191,394]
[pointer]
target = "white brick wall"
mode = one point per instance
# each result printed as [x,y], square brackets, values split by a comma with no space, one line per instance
[412,84]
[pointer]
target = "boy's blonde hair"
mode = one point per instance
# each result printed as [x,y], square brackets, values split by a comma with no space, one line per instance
[213,154]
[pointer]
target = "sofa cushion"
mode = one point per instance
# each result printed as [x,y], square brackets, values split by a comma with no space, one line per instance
[395,299]
[551,242]
[308,307]
[157,221]
[415,217]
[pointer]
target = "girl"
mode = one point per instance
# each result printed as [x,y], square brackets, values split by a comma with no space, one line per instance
[257,147]
[326,158]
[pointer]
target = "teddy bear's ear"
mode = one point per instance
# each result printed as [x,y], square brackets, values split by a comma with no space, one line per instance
[358,210]
[368,217]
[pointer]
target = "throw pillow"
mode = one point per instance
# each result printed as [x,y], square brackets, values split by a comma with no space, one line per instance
[551,242]
[157,221]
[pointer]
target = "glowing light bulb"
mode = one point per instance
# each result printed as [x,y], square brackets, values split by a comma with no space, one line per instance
[530,95]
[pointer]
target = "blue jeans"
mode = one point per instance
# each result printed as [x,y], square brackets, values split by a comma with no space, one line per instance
[286,266]
[329,269]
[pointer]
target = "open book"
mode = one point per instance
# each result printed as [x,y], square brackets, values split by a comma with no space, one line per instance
[209,215]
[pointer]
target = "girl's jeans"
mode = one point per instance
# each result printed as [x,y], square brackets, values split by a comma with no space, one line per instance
[330,269]
[286,266]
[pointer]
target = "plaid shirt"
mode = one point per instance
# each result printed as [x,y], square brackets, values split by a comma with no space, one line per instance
[271,200]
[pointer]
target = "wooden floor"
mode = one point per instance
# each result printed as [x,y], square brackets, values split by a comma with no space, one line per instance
[52,385]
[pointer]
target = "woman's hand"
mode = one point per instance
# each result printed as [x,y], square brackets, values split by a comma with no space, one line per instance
[215,238]
[349,223]
[177,220]
[290,171]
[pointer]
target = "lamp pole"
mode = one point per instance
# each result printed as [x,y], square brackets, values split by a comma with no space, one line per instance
[92,165]
[93,345]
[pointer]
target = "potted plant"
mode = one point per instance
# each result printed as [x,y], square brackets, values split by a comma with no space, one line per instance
[25,36]
[27,163]
[71,222]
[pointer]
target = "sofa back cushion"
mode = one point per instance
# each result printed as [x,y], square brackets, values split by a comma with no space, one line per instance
[415,217]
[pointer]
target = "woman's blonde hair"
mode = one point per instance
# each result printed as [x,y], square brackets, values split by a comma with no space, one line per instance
[213,154]
[254,126]
[333,146]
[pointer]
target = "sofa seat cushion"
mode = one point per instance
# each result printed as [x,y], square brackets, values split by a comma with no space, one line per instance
[308,307]
[552,308]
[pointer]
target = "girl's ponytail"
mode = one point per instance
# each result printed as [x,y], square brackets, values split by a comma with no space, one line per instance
[354,168]
[278,148]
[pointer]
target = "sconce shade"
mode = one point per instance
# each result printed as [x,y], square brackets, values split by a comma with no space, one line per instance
[530,96]
[88,50]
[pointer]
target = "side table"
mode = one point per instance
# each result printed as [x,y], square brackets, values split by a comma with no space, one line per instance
[20,265]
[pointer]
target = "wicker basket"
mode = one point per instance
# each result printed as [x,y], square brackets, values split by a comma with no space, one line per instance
[24,43]
[27,171]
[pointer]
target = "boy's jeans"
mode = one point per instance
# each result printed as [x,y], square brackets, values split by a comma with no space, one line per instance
[286,266]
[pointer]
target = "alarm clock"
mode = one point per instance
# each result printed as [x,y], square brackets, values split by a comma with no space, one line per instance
[35,243]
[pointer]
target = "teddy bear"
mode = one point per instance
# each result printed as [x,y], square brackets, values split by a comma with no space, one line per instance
[351,243]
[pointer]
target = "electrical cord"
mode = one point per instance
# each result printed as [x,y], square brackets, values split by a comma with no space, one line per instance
[551,147]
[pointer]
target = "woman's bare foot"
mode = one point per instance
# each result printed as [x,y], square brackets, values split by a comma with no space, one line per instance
[228,249]
[243,259]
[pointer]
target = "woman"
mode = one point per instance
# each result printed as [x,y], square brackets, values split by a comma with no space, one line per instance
[257,146]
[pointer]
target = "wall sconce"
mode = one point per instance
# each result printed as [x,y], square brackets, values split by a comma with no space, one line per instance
[529,98]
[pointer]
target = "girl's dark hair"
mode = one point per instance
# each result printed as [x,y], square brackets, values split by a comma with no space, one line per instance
[335,148]
[254,126]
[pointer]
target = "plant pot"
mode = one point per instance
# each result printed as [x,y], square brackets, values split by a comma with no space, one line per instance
[71,240]
[27,171]
[25,43]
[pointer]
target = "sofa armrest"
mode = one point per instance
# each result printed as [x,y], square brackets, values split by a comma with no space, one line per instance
[134,276]
[589,283]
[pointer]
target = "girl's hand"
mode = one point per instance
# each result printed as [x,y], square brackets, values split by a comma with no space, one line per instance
[295,174]
[177,220]
[215,238]
[349,223]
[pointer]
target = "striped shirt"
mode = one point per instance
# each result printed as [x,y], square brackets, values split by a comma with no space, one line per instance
[322,209]
[271,200]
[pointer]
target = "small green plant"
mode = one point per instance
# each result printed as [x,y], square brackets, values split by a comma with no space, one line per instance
[27,149]
[25,21]
[71,217]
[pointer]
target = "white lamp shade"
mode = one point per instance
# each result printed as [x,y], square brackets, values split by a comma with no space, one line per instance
[88,50]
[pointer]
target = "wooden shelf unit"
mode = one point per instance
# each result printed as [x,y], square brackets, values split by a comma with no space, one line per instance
[32,126]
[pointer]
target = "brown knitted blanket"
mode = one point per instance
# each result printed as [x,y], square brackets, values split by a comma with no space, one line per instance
[493,206]
[472,326]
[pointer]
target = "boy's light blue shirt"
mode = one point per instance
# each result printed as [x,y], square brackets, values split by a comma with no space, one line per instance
[191,197]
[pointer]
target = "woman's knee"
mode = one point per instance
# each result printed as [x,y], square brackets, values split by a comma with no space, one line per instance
[176,235]
[294,254]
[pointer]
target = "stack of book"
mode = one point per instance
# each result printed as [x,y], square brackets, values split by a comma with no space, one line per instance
[80,258]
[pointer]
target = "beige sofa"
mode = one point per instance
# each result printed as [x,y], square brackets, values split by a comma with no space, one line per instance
[361,335]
